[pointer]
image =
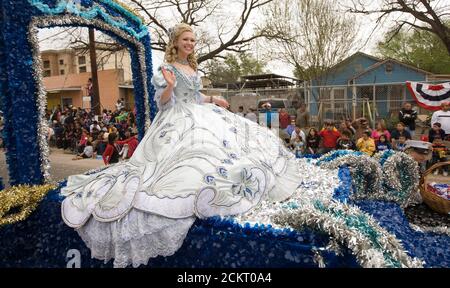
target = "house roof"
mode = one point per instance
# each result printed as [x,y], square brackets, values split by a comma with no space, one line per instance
[381,63]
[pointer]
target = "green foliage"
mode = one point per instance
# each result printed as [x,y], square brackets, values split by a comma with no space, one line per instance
[233,67]
[422,49]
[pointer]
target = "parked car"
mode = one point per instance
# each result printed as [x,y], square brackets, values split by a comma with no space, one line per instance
[276,103]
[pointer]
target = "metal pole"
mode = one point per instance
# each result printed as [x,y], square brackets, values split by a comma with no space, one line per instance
[374,106]
[95,101]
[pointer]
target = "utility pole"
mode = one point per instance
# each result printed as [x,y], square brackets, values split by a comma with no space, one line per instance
[95,100]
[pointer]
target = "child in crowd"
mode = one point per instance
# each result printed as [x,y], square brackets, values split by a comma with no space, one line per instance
[329,135]
[129,145]
[312,141]
[439,154]
[383,144]
[345,143]
[366,144]
[88,151]
[298,146]
[400,144]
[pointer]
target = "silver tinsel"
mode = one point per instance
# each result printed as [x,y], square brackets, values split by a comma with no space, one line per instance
[367,256]
[426,229]
[41,103]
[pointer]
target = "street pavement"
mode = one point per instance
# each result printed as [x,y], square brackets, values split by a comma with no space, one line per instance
[61,163]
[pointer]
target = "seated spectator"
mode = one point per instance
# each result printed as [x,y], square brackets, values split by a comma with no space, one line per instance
[329,135]
[297,132]
[312,141]
[129,145]
[400,144]
[83,141]
[381,130]
[361,125]
[366,144]
[399,131]
[439,154]
[298,146]
[291,127]
[93,126]
[345,142]
[88,152]
[435,131]
[111,154]
[383,144]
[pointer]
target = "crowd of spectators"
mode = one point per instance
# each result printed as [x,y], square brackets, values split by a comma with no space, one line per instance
[113,135]
[349,134]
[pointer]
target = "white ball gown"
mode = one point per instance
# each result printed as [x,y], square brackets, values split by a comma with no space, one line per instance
[196,160]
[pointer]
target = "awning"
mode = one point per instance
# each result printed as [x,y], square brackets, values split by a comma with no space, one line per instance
[58,90]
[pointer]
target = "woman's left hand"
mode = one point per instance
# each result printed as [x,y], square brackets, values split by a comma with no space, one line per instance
[221,102]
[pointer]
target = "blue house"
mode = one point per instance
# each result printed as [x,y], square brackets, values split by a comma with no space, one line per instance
[362,85]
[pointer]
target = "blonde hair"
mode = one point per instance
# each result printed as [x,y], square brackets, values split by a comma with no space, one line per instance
[171,51]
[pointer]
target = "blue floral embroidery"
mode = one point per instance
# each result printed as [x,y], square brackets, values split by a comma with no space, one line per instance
[233,156]
[248,187]
[234,130]
[228,120]
[226,144]
[210,180]
[217,110]
[78,195]
[227,161]
[222,172]
[163,133]
[167,125]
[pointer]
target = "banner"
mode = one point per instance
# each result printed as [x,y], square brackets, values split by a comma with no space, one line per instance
[429,96]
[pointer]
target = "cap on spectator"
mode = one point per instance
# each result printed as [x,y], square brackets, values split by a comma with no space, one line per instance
[419,146]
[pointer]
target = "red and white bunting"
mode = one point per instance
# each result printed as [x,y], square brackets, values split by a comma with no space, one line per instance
[429,96]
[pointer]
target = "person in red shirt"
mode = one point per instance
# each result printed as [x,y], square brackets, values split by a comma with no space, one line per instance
[329,135]
[129,145]
[111,154]
[284,118]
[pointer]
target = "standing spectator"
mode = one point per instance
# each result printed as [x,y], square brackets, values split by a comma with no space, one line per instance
[119,105]
[111,154]
[400,145]
[240,111]
[383,144]
[345,142]
[267,112]
[366,144]
[439,154]
[400,131]
[284,118]
[443,116]
[329,135]
[408,117]
[313,141]
[436,131]
[302,117]
[251,115]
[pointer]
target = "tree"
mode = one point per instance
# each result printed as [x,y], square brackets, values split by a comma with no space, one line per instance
[420,48]
[217,29]
[312,35]
[233,67]
[421,15]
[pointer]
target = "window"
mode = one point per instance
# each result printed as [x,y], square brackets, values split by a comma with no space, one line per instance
[82,69]
[81,60]
[389,67]
[61,72]
[46,63]
[61,61]
[47,73]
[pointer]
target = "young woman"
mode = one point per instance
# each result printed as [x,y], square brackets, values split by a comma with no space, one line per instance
[196,160]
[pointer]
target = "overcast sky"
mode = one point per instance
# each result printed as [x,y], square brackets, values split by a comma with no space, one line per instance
[367,24]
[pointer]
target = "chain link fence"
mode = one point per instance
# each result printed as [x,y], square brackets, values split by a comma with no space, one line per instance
[338,102]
